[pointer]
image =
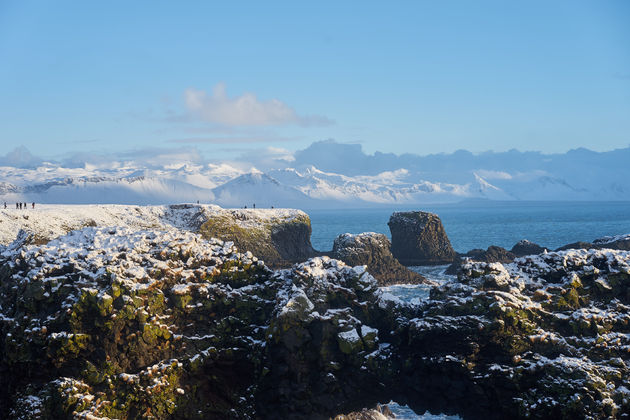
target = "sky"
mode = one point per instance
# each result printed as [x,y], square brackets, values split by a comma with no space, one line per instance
[230,78]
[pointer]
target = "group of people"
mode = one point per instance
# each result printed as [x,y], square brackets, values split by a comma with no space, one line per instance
[20,206]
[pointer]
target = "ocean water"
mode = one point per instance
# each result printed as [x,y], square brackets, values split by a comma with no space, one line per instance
[481,224]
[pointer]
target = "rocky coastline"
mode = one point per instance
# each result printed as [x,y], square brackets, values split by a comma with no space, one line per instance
[134,322]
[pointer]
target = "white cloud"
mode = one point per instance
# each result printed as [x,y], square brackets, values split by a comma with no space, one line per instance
[486,174]
[244,110]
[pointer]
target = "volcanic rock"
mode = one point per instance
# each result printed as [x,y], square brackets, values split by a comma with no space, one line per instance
[418,238]
[373,250]
[525,247]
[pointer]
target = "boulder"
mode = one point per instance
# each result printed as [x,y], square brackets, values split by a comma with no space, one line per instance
[492,254]
[418,238]
[373,250]
[525,247]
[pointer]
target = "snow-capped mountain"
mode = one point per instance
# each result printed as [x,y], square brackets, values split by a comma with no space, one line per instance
[354,179]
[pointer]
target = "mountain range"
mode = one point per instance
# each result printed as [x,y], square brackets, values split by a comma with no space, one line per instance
[324,174]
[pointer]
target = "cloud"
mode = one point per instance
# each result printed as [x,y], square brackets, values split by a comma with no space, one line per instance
[150,157]
[20,157]
[492,175]
[245,110]
[267,158]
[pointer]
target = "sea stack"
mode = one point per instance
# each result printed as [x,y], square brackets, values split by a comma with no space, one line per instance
[418,238]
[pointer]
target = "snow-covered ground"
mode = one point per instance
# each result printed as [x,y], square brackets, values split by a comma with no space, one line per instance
[50,221]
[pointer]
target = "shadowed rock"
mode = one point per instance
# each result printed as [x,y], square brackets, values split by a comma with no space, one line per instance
[418,238]
[492,254]
[373,250]
[525,247]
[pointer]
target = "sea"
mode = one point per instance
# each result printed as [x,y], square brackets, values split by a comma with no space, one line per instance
[478,224]
[475,224]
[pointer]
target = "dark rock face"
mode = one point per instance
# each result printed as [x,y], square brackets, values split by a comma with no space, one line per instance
[577,245]
[525,247]
[116,323]
[492,254]
[418,238]
[621,242]
[373,250]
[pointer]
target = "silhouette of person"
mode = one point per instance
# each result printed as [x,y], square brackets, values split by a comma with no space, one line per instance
[16,205]
[33,204]
[254,205]
[5,204]
[20,204]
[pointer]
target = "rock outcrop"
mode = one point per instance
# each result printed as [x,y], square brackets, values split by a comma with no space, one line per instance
[278,236]
[373,250]
[525,247]
[119,323]
[418,238]
[381,412]
[490,255]
[577,245]
[621,242]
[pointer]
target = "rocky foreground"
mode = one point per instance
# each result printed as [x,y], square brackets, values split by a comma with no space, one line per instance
[123,323]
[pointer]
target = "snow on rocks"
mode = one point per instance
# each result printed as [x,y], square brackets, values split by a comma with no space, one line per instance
[555,324]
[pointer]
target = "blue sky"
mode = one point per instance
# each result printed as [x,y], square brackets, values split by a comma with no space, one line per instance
[420,77]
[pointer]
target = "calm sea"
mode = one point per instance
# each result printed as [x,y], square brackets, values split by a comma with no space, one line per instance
[481,224]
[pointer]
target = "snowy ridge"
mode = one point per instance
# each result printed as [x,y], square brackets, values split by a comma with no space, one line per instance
[51,221]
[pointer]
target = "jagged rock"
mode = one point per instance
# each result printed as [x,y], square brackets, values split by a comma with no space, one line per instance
[577,245]
[117,323]
[492,254]
[381,412]
[418,238]
[621,242]
[373,250]
[525,247]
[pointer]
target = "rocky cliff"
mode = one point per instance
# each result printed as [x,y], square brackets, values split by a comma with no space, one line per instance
[278,236]
[373,250]
[418,238]
[120,323]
